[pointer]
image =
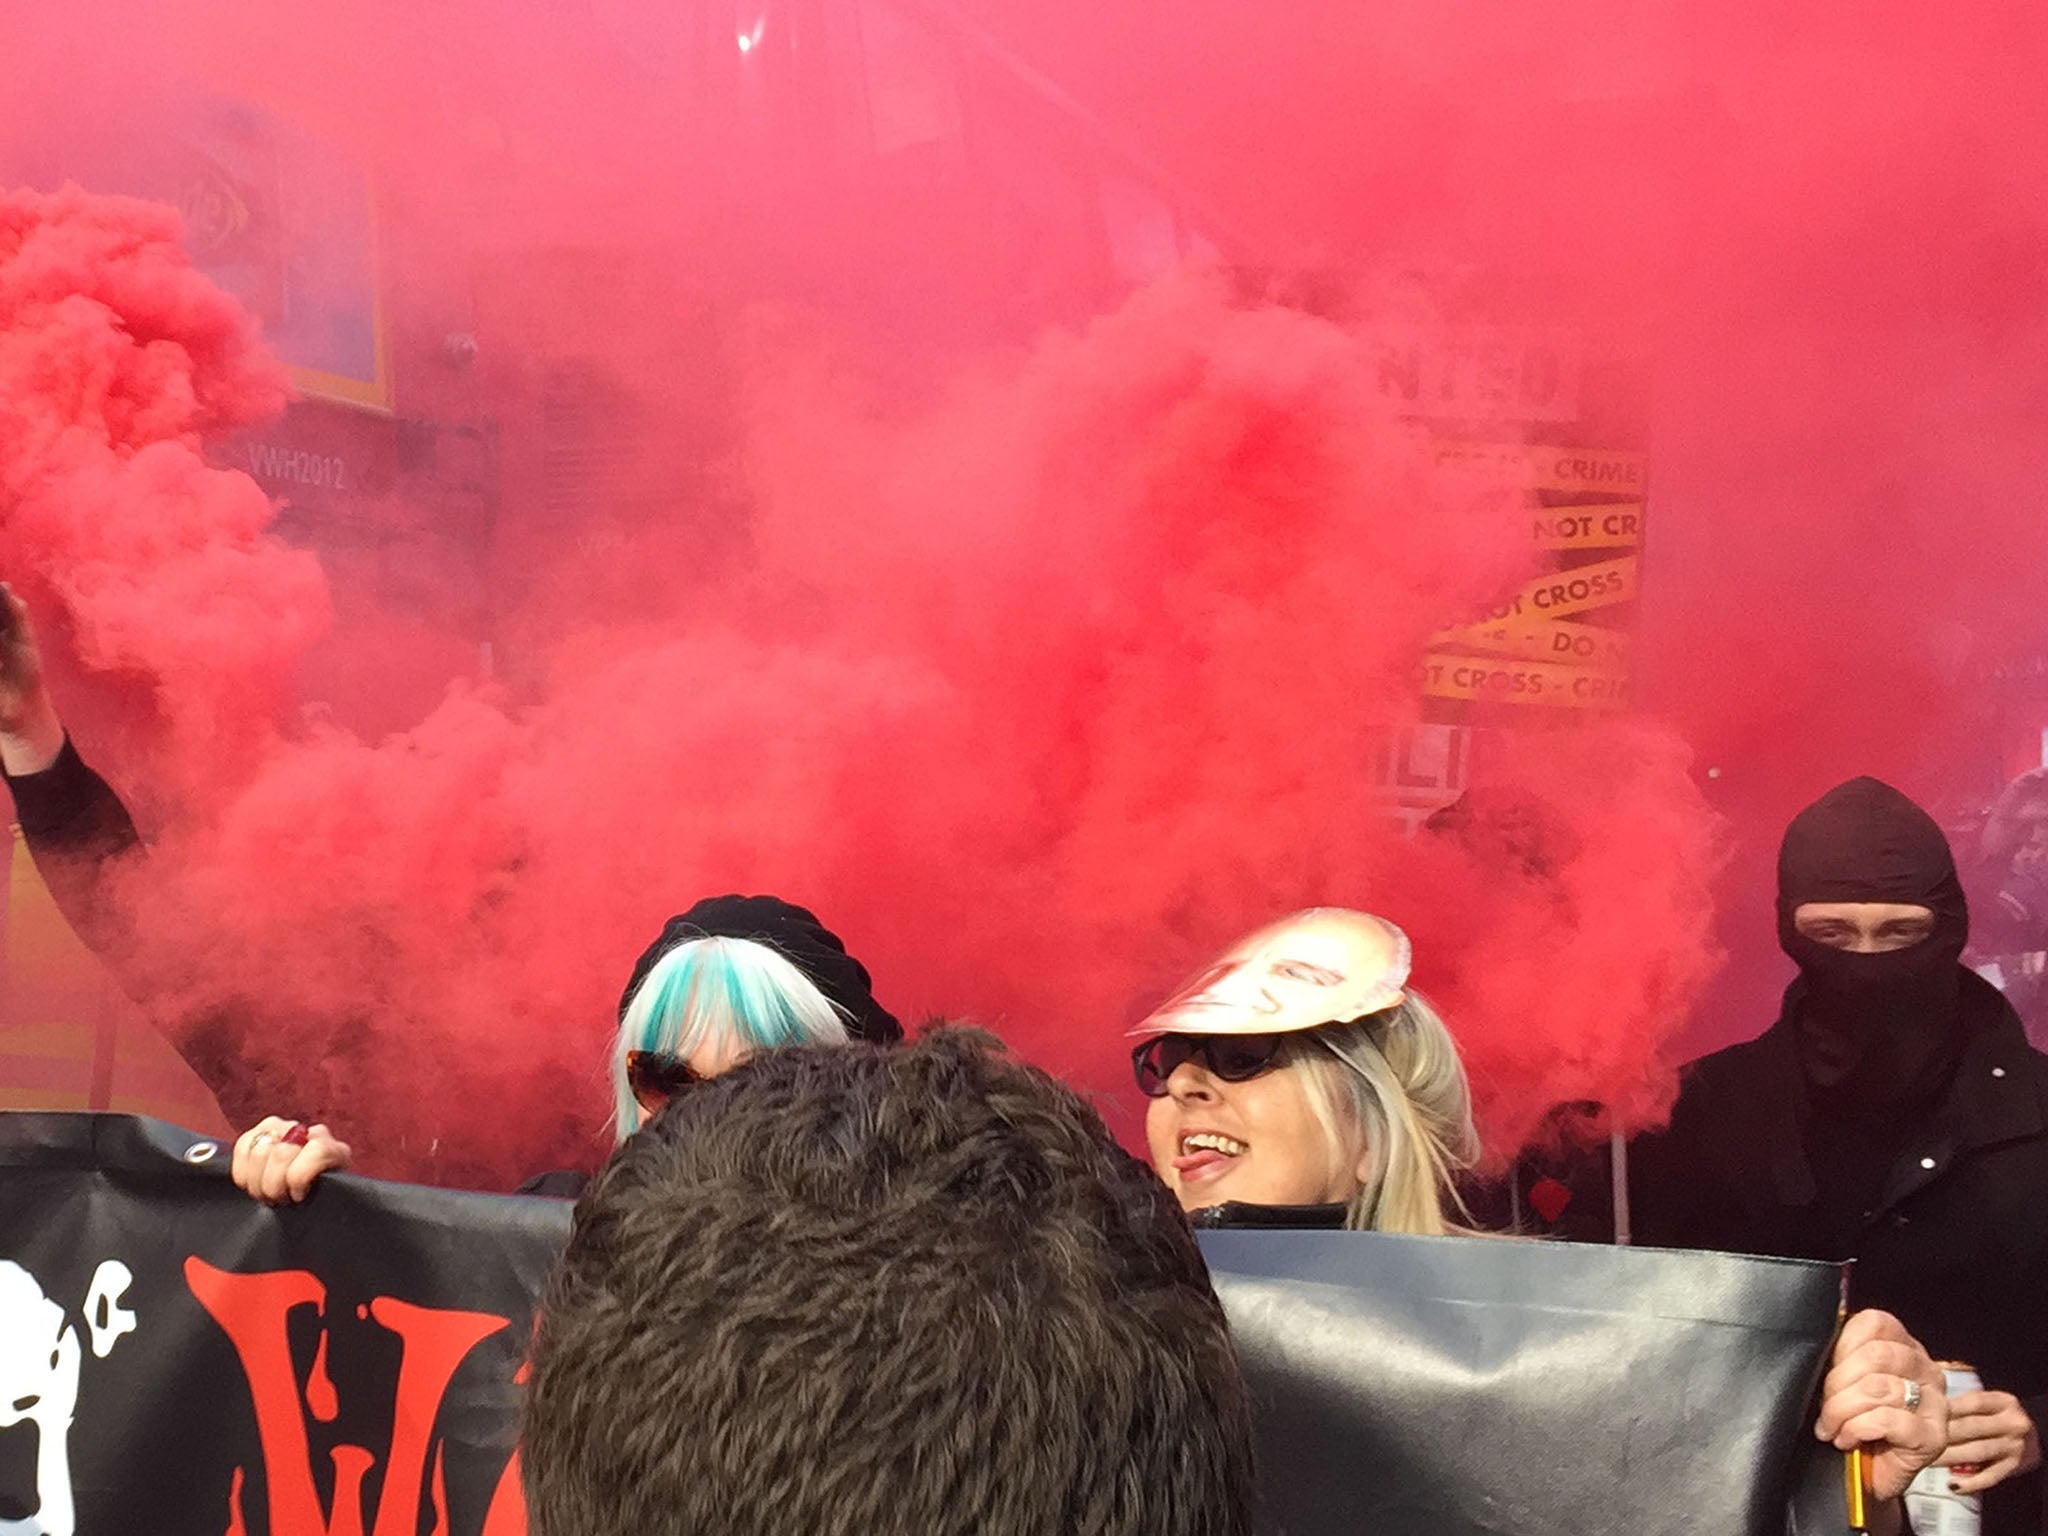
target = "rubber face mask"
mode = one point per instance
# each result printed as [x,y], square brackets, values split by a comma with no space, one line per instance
[1327,965]
[1875,1031]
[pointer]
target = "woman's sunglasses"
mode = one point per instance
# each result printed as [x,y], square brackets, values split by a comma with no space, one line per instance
[651,1072]
[1233,1058]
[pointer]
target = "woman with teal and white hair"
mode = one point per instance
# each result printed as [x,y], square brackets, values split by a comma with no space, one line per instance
[728,979]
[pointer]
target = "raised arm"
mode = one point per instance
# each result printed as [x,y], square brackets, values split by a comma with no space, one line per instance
[74,824]
[79,833]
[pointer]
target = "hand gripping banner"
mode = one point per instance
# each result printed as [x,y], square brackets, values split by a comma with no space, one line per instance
[176,1360]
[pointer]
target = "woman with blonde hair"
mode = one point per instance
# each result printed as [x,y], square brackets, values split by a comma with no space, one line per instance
[1300,1081]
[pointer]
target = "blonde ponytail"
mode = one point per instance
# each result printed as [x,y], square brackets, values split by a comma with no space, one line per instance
[1397,1076]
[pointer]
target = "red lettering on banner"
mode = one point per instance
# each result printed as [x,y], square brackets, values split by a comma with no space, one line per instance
[440,1494]
[319,1390]
[252,1310]
[507,1515]
[435,1343]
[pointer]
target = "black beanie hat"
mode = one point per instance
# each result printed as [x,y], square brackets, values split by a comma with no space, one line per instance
[794,933]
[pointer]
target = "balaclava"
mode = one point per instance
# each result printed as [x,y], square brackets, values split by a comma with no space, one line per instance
[1895,1018]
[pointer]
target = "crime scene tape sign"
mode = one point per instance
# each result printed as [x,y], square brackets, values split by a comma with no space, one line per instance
[1521,682]
[1555,640]
[1615,525]
[1541,467]
[1560,594]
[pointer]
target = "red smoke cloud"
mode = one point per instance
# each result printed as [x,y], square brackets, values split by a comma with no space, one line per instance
[1040,670]
[1829,228]
[1563,919]
[116,361]
[1126,616]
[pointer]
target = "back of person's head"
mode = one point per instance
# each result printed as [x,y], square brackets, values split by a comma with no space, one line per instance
[1397,1076]
[875,1291]
[738,993]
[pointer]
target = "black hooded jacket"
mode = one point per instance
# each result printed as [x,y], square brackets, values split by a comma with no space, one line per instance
[1954,1241]
[1931,1175]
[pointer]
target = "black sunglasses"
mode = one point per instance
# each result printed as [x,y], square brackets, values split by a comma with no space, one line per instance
[651,1072]
[1233,1058]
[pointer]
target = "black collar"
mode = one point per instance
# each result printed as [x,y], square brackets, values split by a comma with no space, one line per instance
[1242,1213]
[1999,1094]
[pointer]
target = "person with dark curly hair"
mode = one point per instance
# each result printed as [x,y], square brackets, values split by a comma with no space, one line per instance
[872,1291]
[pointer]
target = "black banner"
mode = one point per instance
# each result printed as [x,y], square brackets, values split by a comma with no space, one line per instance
[199,1365]
[179,1361]
[1456,1386]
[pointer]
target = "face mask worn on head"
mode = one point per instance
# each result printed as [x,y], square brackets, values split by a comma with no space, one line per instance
[1877,1033]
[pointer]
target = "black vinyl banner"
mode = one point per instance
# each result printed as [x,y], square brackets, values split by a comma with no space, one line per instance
[176,1360]
[1458,1386]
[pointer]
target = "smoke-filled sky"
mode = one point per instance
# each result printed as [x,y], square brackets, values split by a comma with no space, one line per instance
[1034,631]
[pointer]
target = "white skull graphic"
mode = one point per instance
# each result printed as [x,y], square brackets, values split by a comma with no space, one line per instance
[39,1358]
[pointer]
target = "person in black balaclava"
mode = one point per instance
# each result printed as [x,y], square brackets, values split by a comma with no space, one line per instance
[1894,1115]
[1871,911]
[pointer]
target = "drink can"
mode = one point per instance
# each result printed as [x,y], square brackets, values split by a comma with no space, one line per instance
[1933,1509]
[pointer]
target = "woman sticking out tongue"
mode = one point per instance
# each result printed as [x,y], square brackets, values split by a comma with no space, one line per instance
[1299,1081]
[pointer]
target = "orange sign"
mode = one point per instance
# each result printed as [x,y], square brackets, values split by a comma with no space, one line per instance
[1521,682]
[1610,525]
[1563,641]
[1541,467]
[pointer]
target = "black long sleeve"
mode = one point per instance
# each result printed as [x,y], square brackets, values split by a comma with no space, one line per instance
[80,836]
[77,830]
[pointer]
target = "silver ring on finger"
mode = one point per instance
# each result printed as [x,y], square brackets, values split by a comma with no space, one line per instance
[1912,1397]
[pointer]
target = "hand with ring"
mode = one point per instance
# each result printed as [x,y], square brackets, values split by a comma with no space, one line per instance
[1883,1393]
[277,1160]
